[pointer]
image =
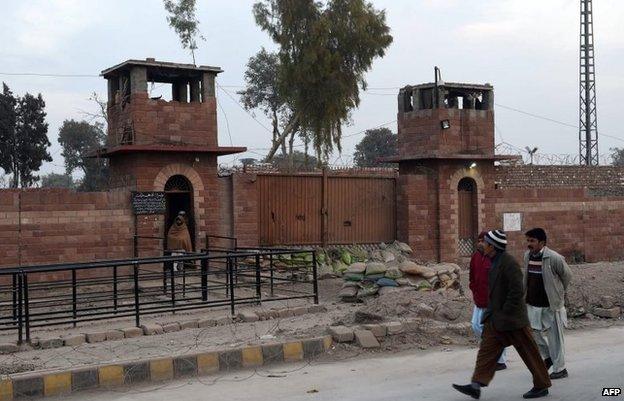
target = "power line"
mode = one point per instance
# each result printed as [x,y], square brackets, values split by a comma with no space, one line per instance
[35,74]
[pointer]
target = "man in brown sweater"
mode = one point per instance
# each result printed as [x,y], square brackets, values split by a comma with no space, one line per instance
[505,323]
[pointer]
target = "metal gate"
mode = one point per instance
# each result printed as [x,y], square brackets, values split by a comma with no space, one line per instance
[306,209]
[467,205]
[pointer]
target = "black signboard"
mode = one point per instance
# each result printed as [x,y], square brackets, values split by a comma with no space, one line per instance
[148,202]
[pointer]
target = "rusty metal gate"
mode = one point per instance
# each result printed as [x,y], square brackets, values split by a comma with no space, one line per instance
[306,209]
[467,216]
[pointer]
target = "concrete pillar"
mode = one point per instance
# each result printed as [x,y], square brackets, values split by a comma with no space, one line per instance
[179,91]
[195,90]
[113,87]
[208,85]
[138,79]
[488,100]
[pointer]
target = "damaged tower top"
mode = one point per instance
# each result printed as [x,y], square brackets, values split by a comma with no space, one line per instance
[187,118]
[444,120]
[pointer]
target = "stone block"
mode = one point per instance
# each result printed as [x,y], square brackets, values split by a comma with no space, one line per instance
[74,341]
[161,369]
[248,316]
[84,379]
[378,330]
[189,324]
[300,311]
[8,348]
[6,389]
[136,372]
[114,335]
[312,347]
[51,343]
[611,313]
[293,351]
[28,386]
[252,356]
[207,363]
[284,313]
[132,332]
[230,360]
[272,353]
[57,384]
[317,309]
[394,328]
[171,327]
[223,320]
[341,334]
[203,323]
[96,337]
[366,339]
[151,329]
[111,376]
[184,366]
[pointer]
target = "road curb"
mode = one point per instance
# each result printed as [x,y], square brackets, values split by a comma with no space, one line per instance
[158,369]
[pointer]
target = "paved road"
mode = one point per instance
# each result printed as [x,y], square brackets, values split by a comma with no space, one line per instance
[596,360]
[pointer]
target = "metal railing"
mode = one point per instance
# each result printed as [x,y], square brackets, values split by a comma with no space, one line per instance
[68,294]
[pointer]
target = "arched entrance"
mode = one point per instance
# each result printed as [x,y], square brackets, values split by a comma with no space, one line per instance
[467,216]
[179,197]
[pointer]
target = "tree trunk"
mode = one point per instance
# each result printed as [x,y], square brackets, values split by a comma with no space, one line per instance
[290,151]
[292,124]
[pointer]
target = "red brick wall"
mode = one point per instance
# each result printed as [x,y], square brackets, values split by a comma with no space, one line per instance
[160,121]
[471,131]
[245,209]
[60,225]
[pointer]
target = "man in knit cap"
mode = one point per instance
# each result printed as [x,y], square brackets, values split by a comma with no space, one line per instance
[480,265]
[547,278]
[505,323]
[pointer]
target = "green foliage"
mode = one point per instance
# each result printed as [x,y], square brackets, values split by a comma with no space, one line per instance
[377,143]
[324,52]
[54,180]
[184,22]
[23,137]
[79,140]
[300,161]
[618,156]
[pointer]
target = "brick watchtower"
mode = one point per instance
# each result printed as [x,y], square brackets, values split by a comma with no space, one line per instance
[170,146]
[445,156]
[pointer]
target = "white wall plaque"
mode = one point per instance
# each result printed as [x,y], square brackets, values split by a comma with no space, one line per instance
[512,221]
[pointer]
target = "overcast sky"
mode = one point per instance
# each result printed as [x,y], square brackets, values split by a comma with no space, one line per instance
[528,49]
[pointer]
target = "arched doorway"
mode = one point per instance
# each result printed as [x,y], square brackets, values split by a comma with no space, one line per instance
[467,216]
[179,197]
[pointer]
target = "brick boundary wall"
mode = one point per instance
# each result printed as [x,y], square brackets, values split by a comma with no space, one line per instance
[41,226]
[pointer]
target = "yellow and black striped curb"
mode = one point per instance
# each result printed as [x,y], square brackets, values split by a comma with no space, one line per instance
[40,384]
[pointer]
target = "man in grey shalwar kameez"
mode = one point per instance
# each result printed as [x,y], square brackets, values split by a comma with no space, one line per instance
[547,278]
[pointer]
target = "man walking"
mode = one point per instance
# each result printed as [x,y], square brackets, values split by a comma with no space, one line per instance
[547,279]
[505,323]
[479,268]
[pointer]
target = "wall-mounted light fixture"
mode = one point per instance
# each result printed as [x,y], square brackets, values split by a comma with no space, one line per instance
[445,124]
[472,165]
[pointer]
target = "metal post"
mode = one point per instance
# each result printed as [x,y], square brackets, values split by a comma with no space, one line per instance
[167,267]
[272,275]
[74,296]
[136,295]
[184,265]
[135,244]
[173,300]
[14,296]
[115,288]
[230,269]
[26,307]
[20,317]
[258,278]
[315,278]
[204,279]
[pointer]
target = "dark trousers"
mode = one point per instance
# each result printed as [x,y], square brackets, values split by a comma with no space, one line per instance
[492,345]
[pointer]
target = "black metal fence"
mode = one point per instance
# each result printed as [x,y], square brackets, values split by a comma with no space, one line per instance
[67,294]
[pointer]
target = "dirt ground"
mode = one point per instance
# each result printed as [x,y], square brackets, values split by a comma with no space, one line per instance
[437,309]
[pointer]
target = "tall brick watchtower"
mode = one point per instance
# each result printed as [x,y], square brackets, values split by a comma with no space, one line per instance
[445,156]
[171,146]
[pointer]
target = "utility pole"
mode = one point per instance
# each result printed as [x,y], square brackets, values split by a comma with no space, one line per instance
[588,121]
